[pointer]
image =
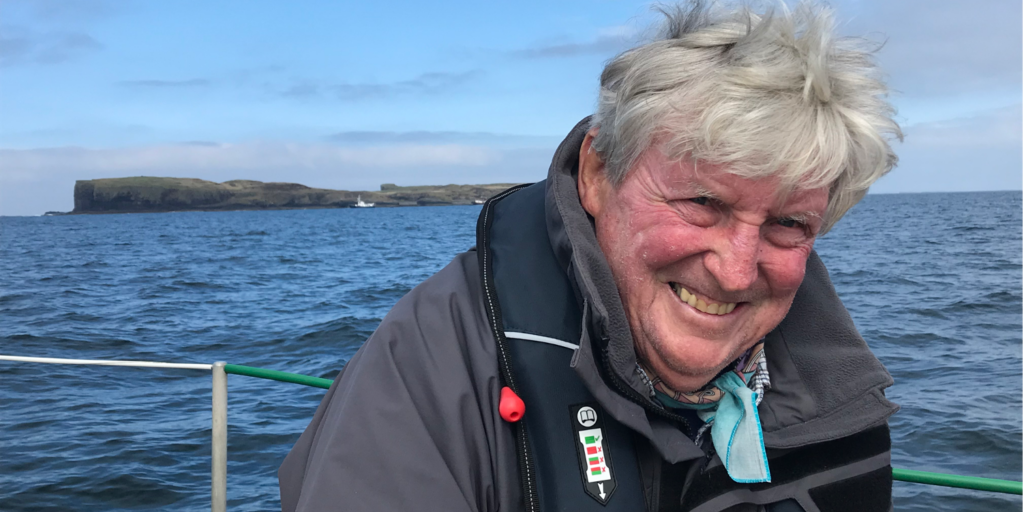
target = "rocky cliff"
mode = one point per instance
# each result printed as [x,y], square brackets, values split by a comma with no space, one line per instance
[149,194]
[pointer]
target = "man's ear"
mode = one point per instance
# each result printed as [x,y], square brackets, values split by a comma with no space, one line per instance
[592,182]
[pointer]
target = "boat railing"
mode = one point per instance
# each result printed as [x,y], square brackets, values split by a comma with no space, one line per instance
[219,441]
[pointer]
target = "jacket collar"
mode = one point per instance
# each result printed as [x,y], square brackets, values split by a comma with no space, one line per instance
[826,384]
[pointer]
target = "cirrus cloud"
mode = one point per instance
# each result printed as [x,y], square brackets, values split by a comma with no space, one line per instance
[248,157]
[21,46]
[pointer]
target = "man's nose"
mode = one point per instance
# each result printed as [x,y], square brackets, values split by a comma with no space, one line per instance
[735,258]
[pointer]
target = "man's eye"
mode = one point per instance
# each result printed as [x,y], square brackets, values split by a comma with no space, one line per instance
[788,223]
[700,200]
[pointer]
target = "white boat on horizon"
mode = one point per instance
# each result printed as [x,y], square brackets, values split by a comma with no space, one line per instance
[361,204]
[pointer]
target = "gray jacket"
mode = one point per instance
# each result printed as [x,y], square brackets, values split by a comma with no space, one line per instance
[412,423]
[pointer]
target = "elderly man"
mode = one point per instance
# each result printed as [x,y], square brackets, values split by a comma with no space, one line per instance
[649,327]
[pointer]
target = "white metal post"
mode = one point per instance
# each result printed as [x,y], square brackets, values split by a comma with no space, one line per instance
[219,457]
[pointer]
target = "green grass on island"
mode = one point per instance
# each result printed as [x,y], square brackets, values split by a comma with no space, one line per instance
[152,194]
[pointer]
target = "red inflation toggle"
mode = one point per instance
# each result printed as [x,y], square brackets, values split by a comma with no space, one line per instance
[511,406]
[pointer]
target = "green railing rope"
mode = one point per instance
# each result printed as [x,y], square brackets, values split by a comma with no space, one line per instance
[964,482]
[903,475]
[263,373]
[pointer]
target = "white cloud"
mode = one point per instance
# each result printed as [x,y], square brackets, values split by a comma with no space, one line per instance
[607,41]
[994,128]
[256,156]
[937,49]
[976,153]
[19,45]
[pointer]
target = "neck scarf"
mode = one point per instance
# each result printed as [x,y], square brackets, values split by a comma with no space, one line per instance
[728,407]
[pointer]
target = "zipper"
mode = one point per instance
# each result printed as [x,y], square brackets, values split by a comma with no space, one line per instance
[526,466]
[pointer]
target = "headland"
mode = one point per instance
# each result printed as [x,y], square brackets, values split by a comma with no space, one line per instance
[152,194]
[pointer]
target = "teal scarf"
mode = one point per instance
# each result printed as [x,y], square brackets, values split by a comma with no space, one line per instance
[728,407]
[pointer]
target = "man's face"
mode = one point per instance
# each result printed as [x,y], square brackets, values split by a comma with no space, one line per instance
[706,262]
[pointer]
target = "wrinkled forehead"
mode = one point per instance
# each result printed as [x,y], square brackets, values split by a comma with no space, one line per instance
[726,182]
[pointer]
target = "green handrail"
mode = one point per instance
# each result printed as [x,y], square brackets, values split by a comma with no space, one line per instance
[263,373]
[964,482]
[903,475]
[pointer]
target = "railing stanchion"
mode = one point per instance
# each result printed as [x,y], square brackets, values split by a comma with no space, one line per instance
[219,480]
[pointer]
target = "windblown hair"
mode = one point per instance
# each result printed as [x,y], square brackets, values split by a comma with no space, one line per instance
[772,94]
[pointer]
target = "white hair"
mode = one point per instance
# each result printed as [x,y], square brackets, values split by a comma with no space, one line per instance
[773,94]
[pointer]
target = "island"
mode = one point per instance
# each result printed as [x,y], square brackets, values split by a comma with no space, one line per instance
[151,194]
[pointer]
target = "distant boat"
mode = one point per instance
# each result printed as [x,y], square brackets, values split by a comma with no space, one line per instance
[478,201]
[361,204]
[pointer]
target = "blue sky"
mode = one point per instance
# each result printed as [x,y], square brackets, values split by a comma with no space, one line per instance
[354,94]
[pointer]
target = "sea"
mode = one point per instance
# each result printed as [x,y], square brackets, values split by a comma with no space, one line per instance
[933,282]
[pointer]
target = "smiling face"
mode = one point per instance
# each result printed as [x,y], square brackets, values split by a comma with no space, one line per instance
[706,262]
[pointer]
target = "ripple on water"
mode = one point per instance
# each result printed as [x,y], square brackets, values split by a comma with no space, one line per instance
[300,290]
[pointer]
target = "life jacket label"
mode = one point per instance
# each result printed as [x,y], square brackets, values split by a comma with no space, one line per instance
[595,461]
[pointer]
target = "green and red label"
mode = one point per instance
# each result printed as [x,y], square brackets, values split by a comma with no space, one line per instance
[597,467]
[595,463]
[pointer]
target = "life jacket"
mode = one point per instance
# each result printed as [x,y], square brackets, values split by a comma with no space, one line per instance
[575,457]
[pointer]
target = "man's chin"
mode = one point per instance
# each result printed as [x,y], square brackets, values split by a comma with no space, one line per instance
[695,366]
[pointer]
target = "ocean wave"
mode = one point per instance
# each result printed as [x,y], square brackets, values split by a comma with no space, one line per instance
[301,290]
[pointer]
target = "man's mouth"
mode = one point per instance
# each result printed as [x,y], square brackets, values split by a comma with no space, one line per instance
[702,305]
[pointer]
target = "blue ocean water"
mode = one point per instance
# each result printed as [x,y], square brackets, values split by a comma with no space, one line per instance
[933,282]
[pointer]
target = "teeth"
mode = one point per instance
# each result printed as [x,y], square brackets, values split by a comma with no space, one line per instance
[700,305]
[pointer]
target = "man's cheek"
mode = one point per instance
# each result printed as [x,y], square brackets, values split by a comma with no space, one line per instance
[660,248]
[785,270]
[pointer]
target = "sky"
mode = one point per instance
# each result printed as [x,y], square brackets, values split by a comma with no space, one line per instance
[349,95]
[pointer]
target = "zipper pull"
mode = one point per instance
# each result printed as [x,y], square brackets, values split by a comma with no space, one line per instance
[511,407]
